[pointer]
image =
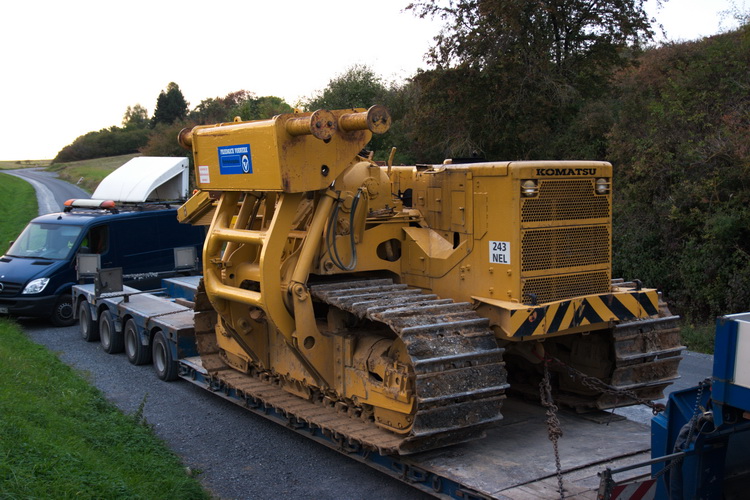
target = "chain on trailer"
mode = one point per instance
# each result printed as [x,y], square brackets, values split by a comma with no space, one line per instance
[554,428]
[674,460]
[697,410]
[599,385]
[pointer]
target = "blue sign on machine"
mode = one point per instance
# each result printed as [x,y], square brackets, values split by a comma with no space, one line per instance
[235,160]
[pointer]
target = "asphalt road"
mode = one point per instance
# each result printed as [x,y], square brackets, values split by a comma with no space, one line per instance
[239,455]
[51,192]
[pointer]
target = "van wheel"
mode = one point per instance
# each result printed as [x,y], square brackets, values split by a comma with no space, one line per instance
[110,338]
[88,328]
[137,353]
[62,314]
[164,363]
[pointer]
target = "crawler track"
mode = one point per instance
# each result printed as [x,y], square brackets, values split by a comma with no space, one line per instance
[459,375]
[644,358]
[647,355]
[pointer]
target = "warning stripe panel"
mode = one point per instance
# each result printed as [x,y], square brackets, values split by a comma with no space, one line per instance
[645,490]
[559,316]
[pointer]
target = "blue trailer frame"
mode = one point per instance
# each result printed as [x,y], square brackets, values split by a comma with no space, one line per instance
[702,437]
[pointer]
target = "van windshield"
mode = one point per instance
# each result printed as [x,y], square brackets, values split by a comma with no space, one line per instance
[45,241]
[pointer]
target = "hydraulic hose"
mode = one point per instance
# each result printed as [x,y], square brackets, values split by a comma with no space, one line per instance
[333,251]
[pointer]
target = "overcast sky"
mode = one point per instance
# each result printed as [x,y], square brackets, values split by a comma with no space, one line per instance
[70,67]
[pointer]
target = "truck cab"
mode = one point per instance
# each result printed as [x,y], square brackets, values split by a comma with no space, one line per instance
[138,233]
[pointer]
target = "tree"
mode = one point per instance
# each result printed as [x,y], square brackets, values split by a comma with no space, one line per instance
[113,141]
[211,110]
[261,108]
[517,75]
[268,107]
[357,87]
[220,109]
[170,106]
[240,103]
[680,144]
[162,141]
[135,117]
[360,87]
[485,33]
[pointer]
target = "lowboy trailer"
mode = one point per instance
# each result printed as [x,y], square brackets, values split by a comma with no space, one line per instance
[514,461]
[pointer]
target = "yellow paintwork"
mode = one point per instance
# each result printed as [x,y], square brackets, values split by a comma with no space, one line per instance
[196,209]
[284,153]
[471,206]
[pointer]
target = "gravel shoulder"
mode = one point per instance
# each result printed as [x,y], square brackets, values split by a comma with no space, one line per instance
[239,455]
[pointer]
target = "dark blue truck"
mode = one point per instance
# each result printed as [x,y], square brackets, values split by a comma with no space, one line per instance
[138,234]
[39,269]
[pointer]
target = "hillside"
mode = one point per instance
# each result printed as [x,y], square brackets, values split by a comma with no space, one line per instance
[681,147]
[89,173]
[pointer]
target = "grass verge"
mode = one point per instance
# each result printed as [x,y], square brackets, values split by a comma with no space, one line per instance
[699,337]
[17,205]
[60,438]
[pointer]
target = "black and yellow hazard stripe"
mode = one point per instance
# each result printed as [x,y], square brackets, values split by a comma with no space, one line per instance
[566,314]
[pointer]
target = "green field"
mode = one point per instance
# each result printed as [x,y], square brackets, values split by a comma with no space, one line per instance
[13,165]
[87,174]
[59,437]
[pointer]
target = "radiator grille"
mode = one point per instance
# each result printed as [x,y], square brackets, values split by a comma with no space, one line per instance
[544,249]
[569,199]
[552,288]
[10,289]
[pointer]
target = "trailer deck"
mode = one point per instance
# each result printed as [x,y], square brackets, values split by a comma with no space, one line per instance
[514,461]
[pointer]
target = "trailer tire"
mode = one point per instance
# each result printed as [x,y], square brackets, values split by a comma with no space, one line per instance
[86,325]
[110,338]
[137,353]
[62,313]
[164,363]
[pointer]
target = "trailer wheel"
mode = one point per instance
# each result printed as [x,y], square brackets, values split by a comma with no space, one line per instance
[110,338]
[62,313]
[164,363]
[86,325]
[137,353]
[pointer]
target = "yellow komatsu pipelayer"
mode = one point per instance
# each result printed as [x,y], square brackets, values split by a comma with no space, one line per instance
[396,295]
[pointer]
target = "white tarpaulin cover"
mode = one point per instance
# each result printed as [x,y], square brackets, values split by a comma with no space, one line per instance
[146,178]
